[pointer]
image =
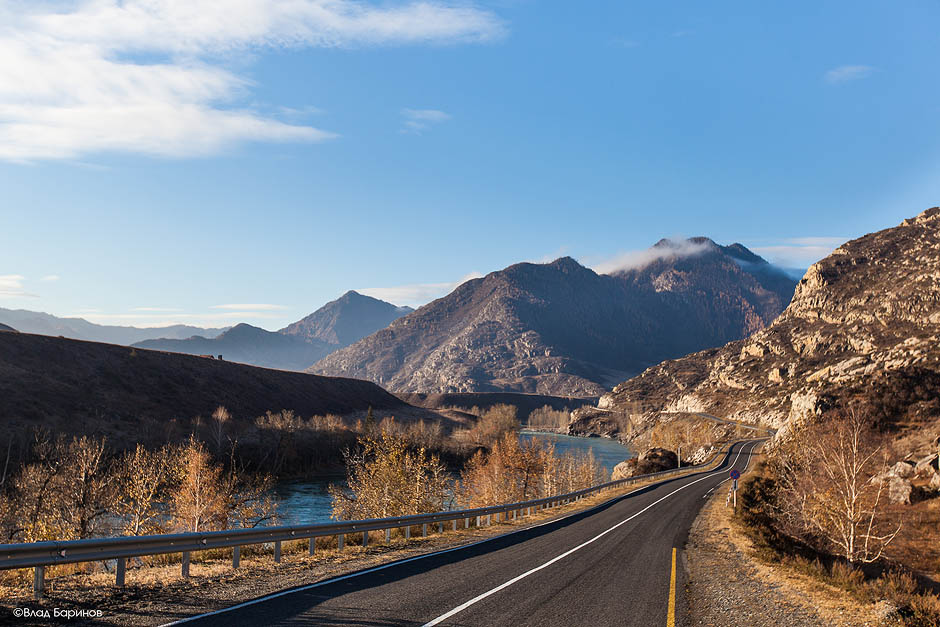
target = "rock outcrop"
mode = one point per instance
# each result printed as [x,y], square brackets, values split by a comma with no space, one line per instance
[653,460]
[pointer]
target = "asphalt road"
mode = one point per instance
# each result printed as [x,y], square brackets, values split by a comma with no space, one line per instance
[610,565]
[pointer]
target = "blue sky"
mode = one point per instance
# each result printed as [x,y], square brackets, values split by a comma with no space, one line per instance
[168,162]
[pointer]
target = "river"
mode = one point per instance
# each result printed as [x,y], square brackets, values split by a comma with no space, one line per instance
[308,502]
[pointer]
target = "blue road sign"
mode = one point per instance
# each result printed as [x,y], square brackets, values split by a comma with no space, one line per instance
[735,474]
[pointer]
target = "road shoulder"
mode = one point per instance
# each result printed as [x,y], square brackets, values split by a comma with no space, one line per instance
[728,586]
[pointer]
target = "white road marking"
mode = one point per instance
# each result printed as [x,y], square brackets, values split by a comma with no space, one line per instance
[493,591]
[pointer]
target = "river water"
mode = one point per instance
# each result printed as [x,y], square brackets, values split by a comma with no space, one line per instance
[308,502]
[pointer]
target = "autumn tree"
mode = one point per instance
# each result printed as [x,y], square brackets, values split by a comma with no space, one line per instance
[198,500]
[513,471]
[143,478]
[830,488]
[386,477]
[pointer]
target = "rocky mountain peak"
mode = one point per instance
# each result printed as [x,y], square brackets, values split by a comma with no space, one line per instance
[561,328]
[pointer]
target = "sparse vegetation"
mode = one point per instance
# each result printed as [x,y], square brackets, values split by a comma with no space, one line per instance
[548,418]
[818,506]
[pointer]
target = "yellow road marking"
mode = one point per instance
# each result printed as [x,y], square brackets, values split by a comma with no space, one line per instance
[671,614]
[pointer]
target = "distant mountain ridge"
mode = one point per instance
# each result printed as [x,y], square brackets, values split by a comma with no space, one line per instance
[561,328]
[42,323]
[248,344]
[297,346]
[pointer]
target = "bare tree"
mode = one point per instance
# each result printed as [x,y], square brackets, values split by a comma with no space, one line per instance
[219,417]
[831,489]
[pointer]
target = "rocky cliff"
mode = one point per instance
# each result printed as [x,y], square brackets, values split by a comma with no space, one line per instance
[563,329]
[863,325]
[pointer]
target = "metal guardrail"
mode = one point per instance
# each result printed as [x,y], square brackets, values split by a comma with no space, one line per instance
[38,555]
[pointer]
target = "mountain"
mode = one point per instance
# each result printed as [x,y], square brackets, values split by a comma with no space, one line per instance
[347,319]
[863,329]
[80,329]
[562,329]
[247,344]
[84,387]
[7,329]
[297,346]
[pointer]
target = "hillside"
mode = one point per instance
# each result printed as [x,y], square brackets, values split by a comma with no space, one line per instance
[247,344]
[345,320]
[7,329]
[85,387]
[80,329]
[562,329]
[863,326]
[297,346]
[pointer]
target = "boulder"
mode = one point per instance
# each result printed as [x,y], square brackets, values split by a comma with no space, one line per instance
[899,490]
[653,460]
[926,466]
[623,470]
[935,481]
[902,469]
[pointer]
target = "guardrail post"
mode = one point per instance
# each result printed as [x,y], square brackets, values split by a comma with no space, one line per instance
[365,539]
[424,530]
[313,545]
[184,566]
[478,521]
[236,557]
[339,541]
[440,527]
[407,532]
[388,536]
[277,552]
[119,572]
[39,581]
[489,520]
[466,523]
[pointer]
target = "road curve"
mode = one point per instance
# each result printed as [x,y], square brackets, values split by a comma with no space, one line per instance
[609,565]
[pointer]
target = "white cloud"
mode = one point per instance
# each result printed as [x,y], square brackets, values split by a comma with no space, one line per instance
[50,278]
[799,252]
[637,259]
[417,120]
[148,76]
[11,286]
[250,307]
[845,73]
[416,294]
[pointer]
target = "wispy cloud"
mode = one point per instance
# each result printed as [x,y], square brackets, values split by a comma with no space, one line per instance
[623,42]
[416,294]
[250,307]
[637,259]
[798,252]
[163,319]
[153,76]
[417,120]
[50,278]
[157,309]
[846,73]
[11,286]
